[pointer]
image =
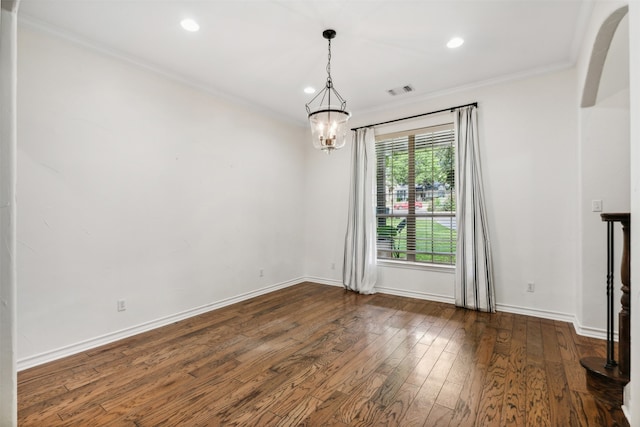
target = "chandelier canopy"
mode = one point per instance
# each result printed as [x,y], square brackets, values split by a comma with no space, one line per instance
[328,120]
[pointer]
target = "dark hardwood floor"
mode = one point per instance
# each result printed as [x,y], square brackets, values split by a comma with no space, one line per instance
[316,355]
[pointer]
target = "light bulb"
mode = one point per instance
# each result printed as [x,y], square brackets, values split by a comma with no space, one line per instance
[190,25]
[455,42]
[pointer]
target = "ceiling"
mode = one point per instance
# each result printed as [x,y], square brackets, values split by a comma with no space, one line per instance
[266,52]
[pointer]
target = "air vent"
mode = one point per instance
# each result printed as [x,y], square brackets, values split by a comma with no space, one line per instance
[401,90]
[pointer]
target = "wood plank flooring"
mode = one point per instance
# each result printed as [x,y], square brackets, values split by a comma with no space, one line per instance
[317,355]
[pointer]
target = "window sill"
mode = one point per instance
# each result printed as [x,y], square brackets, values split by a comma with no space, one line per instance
[451,269]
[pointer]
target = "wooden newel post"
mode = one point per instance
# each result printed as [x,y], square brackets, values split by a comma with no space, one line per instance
[607,378]
[624,317]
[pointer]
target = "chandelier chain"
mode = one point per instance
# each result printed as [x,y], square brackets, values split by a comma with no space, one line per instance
[329,90]
[329,81]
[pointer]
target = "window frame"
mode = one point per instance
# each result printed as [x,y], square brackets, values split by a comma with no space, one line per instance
[446,127]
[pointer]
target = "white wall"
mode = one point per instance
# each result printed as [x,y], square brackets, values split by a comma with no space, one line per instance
[604,175]
[8,214]
[610,135]
[632,398]
[528,131]
[133,186]
[327,190]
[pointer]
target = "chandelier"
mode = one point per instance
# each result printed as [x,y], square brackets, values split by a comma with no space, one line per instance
[328,121]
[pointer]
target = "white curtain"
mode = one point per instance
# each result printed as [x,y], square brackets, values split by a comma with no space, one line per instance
[474,285]
[359,269]
[8,162]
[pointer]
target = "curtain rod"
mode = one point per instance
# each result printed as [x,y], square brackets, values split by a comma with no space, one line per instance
[474,104]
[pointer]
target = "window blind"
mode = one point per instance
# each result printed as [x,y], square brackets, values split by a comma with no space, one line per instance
[415,181]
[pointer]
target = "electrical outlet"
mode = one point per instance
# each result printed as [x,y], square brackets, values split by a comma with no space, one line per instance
[531,287]
[261,273]
[122,305]
[333,265]
[596,206]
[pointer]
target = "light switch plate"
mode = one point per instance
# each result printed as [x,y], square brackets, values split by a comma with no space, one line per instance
[596,206]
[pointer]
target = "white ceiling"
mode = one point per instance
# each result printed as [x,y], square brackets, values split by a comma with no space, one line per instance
[267,51]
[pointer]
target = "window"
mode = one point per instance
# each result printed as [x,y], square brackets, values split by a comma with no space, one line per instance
[415,181]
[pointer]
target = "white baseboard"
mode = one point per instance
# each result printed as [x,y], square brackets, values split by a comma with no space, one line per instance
[563,317]
[585,331]
[390,291]
[39,359]
[627,413]
[415,294]
[323,281]
[507,308]
[69,350]
[598,333]
[534,312]
[626,400]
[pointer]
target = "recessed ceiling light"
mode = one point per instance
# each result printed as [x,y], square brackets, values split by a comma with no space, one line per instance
[190,25]
[455,42]
[309,89]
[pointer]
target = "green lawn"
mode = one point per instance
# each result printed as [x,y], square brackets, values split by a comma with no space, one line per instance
[435,243]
